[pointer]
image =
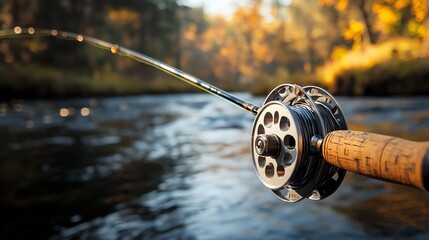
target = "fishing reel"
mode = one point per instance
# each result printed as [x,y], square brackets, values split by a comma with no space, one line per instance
[290,123]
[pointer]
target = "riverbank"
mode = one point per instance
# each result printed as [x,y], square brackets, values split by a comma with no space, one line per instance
[396,77]
[30,81]
[33,81]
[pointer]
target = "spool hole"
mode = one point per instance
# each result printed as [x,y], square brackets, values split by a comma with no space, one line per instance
[268,120]
[289,142]
[269,170]
[284,124]
[261,162]
[261,129]
[280,171]
[287,159]
[276,117]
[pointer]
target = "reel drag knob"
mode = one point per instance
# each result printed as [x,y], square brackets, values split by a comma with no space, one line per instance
[267,145]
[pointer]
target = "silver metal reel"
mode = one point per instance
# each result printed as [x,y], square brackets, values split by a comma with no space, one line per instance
[283,157]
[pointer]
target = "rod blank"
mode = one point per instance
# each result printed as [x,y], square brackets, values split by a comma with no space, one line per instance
[116,49]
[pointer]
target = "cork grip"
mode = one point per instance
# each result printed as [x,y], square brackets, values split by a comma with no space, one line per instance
[378,156]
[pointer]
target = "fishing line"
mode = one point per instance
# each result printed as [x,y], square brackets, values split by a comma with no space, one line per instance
[19,32]
[307,117]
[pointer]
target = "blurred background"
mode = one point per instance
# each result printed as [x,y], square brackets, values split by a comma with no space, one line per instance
[98,146]
[364,47]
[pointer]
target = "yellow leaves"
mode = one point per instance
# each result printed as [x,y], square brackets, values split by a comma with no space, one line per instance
[339,4]
[338,53]
[327,3]
[419,9]
[344,60]
[239,15]
[191,32]
[263,53]
[213,36]
[388,16]
[416,28]
[224,52]
[261,49]
[390,12]
[400,4]
[377,7]
[253,19]
[356,27]
[422,30]
[260,34]
[122,15]
[205,43]
[354,30]
[248,18]
[234,47]
[241,44]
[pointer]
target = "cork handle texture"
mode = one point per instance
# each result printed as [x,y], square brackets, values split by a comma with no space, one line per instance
[378,156]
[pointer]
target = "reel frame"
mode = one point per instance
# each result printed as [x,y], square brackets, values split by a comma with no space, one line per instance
[282,152]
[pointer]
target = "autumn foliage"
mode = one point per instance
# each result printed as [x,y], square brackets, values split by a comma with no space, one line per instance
[307,41]
[263,43]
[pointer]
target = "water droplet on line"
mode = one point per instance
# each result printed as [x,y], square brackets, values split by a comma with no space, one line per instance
[31,30]
[64,112]
[85,111]
[114,49]
[17,30]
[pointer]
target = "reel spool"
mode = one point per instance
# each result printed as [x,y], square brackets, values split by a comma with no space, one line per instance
[291,120]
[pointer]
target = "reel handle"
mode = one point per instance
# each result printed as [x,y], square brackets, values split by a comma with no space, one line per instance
[378,156]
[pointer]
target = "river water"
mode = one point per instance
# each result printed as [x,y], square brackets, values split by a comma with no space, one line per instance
[178,167]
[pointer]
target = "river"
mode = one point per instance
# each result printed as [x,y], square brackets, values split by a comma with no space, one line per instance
[179,167]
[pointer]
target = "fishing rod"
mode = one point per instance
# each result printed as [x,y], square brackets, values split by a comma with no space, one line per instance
[116,49]
[301,146]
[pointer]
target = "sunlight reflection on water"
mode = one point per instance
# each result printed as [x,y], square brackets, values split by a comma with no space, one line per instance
[178,166]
